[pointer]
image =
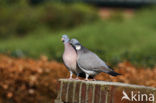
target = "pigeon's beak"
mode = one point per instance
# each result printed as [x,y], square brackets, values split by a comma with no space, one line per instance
[70,42]
[62,39]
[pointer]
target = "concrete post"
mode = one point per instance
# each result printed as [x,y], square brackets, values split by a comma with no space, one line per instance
[80,91]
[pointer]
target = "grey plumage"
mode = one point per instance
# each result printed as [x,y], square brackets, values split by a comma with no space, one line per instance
[89,62]
[70,58]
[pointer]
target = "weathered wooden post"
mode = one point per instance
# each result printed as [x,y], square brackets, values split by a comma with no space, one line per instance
[79,91]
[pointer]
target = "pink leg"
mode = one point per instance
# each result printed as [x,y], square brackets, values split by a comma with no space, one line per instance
[94,79]
[87,77]
[71,74]
[77,77]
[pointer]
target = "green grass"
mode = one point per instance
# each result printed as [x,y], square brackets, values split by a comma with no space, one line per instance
[113,40]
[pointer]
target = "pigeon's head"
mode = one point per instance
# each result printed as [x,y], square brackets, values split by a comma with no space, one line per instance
[65,39]
[76,44]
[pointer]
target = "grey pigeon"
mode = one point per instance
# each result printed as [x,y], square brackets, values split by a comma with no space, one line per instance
[89,62]
[70,58]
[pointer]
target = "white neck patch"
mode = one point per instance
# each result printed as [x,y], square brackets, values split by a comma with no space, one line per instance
[78,47]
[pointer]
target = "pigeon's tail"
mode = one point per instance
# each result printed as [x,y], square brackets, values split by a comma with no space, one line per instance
[113,73]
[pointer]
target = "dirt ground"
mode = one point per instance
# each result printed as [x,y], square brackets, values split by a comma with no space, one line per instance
[106,13]
[34,81]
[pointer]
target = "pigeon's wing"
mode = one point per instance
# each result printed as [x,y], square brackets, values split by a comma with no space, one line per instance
[90,61]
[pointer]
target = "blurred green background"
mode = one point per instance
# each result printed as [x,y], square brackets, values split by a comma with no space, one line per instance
[33,29]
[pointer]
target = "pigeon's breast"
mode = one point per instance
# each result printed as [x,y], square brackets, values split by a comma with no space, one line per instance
[70,58]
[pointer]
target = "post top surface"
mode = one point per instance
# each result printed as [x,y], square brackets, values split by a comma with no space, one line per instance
[105,83]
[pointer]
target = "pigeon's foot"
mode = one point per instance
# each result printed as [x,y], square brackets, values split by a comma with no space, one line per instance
[93,79]
[70,78]
[77,78]
[87,79]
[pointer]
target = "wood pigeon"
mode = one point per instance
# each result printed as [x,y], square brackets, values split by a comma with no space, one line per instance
[89,62]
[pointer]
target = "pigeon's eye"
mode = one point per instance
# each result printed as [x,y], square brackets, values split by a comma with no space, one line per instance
[78,47]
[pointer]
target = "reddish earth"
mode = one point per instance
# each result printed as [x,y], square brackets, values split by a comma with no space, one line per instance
[34,81]
[106,13]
